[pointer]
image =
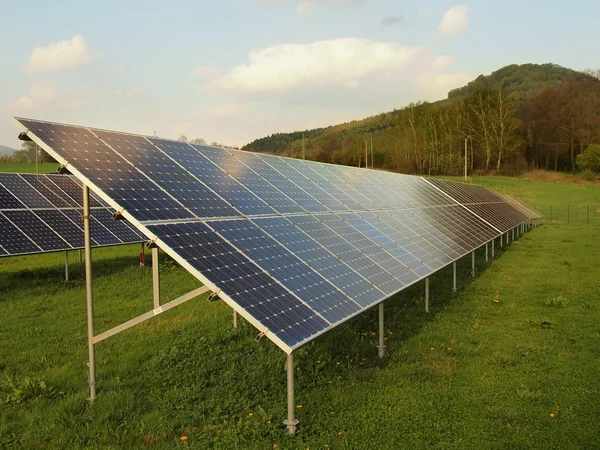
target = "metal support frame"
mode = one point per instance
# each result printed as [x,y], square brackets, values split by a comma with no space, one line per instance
[291,422]
[381,347]
[66,265]
[150,314]
[155,277]
[513,234]
[235,319]
[493,248]
[427,294]
[80,257]
[473,263]
[87,239]
[487,258]
[454,277]
[501,238]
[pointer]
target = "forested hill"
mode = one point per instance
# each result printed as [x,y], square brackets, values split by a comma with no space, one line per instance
[530,115]
[517,78]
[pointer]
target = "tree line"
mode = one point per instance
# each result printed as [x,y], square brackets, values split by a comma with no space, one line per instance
[530,116]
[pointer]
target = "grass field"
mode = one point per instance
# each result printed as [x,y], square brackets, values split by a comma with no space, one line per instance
[510,361]
[28,167]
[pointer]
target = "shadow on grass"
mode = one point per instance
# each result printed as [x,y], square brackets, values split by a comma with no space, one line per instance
[53,275]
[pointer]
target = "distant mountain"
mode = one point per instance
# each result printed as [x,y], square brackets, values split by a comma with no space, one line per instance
[517,80]
[6,151]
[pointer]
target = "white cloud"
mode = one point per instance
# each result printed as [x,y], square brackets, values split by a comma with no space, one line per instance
[228,110]
[290,66]
[60,55]
[205,71]
[304,8]
[45,95]
[39,96]
[455,20]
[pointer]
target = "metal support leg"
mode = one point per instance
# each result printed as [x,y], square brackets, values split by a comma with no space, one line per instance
[155,277]
[454,276]
[493,248]
[381,352]
[66,266]
[513,234]
[235,318]
[80,258]
[501,238]
[427,294]
[486,253]
[291,422]
[473,264]
[89,292]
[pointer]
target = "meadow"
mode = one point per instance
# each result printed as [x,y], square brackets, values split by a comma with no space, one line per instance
[512,360]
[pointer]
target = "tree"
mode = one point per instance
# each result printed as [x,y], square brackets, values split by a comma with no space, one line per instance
[30,152]
[182,138]
[198,140]
[590,159]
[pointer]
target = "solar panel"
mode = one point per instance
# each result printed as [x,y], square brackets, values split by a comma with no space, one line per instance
[482,202]
[42,213]
[296,247]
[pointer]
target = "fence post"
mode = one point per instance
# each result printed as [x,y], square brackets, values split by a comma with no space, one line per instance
[588,215]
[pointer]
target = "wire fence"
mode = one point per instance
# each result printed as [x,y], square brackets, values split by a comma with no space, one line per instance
[571,214]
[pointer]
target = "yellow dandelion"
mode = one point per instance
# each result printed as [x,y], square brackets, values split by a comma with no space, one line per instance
[274,446]
[299,406]
[183,438]
[331,413]
[339,434]
[552,415]
[432,348]
[269,422]
[318,361]
[330,382]
[449,349]
[385,338]
[250,415]
[338,363]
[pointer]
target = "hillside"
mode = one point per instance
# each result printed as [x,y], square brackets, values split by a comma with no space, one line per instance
[6,151]
[499,113]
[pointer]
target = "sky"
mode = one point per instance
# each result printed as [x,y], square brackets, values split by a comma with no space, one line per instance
[232,71]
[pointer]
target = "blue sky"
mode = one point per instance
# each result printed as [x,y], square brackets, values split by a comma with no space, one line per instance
[232,71]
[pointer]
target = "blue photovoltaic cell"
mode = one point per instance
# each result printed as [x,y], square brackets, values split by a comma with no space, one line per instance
[238,164]
[98,233]
[61,224]
[284,168]
[227,186]
[172,178]
[294,274]
[14,241]
[72,188]
[9,201]
[122,182]
[36,230]
[37,182]
[302,198]
[323,262]
[29,196]
[340,247]
[242,280]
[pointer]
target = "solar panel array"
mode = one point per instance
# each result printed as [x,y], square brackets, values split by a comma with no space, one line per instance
[296,247]
[42,213]
[486,204]
[524,208]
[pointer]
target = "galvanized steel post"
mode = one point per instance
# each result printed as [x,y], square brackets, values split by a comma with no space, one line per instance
[89,292]
[454,277]
[291,421]
[155,277]
[427,294]
[381,348]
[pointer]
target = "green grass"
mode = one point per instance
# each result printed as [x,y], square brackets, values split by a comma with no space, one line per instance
[28,167]
[485,369]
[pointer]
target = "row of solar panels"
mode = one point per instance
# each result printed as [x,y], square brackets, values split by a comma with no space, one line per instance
[296,247]
[42,213]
